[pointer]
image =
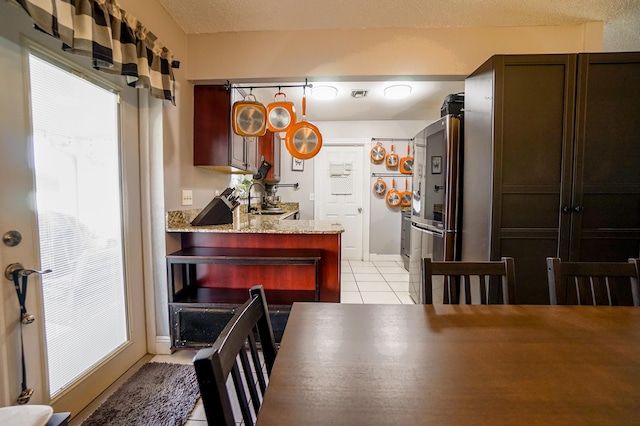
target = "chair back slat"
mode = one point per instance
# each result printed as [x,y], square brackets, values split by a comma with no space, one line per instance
[235,354]
[241,394]
[248,373]
[594,283]
[467,274]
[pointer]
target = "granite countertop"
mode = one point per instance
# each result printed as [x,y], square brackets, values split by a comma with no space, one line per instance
[180,221]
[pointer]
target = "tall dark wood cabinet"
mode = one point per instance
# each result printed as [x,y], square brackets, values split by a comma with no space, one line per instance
[552,163]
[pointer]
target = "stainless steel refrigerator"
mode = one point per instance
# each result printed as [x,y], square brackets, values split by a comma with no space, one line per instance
[435,215]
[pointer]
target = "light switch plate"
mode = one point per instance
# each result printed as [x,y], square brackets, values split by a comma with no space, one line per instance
[187,197]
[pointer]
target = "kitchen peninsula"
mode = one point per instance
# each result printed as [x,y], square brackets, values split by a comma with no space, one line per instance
[295,260]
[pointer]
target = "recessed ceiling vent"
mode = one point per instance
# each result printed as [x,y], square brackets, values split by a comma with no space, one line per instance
[359,93]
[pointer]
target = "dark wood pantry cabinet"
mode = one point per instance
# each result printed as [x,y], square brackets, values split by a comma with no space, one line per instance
[216,146]
[552,163]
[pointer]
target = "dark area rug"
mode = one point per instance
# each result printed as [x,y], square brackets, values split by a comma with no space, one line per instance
[157,394]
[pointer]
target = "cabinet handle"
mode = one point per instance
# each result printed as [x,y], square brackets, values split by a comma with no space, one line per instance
[576,209]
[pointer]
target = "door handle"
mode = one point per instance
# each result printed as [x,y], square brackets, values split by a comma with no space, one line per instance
[576,209]
[359,209]
[17,268]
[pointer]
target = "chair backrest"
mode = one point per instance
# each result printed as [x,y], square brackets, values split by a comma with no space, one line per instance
[235,353]
[591,283]
[461,275]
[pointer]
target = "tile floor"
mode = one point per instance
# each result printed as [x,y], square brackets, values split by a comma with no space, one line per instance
[361,282]
[374,282]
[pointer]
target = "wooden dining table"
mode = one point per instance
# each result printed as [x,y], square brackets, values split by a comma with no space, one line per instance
[349,364]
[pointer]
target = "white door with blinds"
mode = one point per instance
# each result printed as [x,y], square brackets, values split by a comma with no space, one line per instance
[71,188]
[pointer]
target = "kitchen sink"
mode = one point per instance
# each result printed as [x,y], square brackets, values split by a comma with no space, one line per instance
[268,212]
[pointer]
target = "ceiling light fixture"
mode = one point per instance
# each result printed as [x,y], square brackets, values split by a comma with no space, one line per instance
[397,91]
[324,92]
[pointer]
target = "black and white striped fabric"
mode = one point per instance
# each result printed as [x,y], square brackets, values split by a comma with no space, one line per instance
[116,41]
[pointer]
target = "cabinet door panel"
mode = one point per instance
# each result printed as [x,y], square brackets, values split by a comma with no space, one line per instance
[236,151]
[606,181]
[611,211]
[611,249]
[530,210]
[533,124]
[251,154]
[211,125]
[530,265]
[610,128]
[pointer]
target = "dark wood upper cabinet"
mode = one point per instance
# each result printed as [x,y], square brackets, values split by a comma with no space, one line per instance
[551,160]
[216,146]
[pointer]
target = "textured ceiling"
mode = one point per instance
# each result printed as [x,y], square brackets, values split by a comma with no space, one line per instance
[210,16]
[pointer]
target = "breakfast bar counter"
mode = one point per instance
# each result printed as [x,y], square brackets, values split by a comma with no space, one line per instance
[180,221]
[294,260]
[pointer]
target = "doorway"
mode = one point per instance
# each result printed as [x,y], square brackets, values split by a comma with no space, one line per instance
[53,194]
[339,192]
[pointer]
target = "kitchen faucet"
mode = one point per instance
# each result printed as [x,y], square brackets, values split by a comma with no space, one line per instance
[249,208]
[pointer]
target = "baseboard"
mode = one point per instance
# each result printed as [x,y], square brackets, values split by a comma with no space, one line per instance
[163,345]
[374,257]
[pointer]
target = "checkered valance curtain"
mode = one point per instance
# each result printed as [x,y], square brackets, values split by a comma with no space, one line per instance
[116,41]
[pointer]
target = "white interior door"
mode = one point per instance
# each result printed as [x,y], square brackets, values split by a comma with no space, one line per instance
[19,203]
[338,187]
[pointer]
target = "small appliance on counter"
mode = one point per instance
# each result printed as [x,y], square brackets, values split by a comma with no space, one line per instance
[219,211]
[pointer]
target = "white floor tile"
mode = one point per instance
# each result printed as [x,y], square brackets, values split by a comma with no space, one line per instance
[392,270]
[385,264]
[364,270]
[344,265]
[350,297]
[374,279]
[399,286]
[396,277]
[405,298]
[348,285]
[437,295]
[385,297]
[360,263]
[369,277]
[198,412]
[366,286]
[178,357]
[347,277]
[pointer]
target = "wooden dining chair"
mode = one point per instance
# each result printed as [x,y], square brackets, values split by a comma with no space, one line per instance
[592,283]
[236,354]
[459,276]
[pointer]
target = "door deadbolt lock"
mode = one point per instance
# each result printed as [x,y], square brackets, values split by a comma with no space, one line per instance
[11,238]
